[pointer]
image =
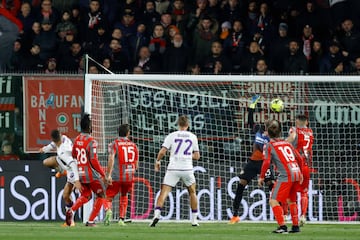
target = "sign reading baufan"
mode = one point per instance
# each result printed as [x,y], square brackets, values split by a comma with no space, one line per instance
[51,103]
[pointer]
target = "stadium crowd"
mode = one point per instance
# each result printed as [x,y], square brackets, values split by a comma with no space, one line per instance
[181,36]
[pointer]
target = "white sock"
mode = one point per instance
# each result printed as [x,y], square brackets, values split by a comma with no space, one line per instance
[194,217]
[157,213]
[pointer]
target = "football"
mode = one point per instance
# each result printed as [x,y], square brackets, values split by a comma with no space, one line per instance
[277,105]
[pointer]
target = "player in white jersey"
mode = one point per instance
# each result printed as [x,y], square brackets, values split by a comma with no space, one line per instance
[64,161]
[184,148]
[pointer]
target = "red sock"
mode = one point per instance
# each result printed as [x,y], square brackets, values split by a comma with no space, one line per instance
[123,206]
[294,214]
[304,203]
[107,204]
[99,202]
[285,207]
[279,215]
[79,202]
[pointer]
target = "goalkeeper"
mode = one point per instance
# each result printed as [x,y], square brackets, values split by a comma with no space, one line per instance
[253,166]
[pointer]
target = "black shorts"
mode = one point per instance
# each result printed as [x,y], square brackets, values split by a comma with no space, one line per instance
[251,170]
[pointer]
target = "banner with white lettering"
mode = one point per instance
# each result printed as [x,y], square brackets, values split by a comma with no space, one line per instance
[9,92]
[51,103]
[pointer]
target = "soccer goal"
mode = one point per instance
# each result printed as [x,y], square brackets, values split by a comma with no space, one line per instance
[218,109]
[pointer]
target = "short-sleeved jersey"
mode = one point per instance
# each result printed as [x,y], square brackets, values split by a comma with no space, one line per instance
[303,142]
[260,139]
[64,152]
[125,159]
[84,151]
[285,158]
[181,144]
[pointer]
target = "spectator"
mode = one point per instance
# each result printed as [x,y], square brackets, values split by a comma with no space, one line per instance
[166,22]
[16,57]
[124,41]
[249,62]
[26,16]
[295,62]
[32,61]
[317,56]
[265,25]
[65,25]
[204,35]
[262,67]
[90,20]
[172,31]
[7,152]
[279,48]
[119,59]
[146,62]
[251,18]
[214,9]
[150,16]
[28,38]
[157,45]
[106,63]
[127,24]
[71,59]
[47,40]
[48,12]
[179,16]
[234,45]
[176,56]
[332,59]
[350,39]
[232,11]
[198,14]
[310,16]
[65,45]
[338,11]
[217,62]
[136,41]
[93,69]
[225,30]
[356,70]
[51,65]
[307,41]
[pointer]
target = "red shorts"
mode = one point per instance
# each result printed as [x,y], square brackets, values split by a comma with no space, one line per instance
[95,187]
[285,190]
[118,187]
[305,184]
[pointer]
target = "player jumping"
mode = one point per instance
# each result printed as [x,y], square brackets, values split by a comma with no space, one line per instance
[64,160]
[253,166]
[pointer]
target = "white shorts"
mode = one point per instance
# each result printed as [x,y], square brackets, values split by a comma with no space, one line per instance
[173,177]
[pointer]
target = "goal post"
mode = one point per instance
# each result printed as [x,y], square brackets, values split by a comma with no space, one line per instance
[217,106]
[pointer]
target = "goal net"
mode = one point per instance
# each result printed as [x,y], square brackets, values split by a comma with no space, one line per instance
[218,109]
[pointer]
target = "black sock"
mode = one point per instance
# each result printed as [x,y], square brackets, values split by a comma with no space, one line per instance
[237,200]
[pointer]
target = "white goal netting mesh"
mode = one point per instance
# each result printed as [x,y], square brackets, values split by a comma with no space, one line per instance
[218,109]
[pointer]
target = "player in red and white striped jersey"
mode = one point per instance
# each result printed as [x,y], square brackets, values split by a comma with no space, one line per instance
[90,172]
[122,165]
[302,138]
[288,164]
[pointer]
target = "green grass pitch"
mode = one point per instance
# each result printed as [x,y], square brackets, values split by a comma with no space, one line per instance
[173,231]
